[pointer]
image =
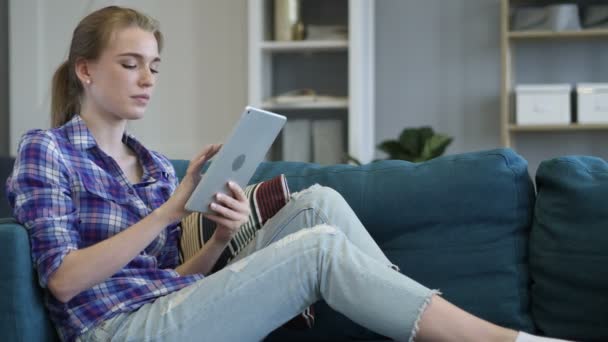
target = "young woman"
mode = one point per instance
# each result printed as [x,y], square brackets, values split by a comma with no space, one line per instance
[103,216]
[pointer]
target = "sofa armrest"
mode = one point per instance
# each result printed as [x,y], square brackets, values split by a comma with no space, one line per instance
[22,313]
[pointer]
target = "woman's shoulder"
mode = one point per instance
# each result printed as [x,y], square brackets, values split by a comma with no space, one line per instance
[38,146]
[37,138]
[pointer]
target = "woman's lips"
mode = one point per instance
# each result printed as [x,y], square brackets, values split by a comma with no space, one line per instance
[141,99]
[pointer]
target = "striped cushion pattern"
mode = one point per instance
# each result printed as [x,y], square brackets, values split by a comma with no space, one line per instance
[265,200]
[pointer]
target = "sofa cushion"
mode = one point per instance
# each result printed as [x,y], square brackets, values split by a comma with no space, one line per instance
[569,248]
[23,316]
[458,223]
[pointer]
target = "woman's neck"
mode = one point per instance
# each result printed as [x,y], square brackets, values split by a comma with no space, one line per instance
[108,133]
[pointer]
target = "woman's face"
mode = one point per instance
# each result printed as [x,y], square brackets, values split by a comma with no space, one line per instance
[123,77]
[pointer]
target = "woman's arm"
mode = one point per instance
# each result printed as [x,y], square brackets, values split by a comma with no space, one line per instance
[84,268]
[232,212]
[41,197]
[204,260]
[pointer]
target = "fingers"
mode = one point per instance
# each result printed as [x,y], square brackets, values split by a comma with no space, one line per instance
[230,209]
[229,202]
[222,221]
[237,191]
[214,150]
[203,152]
[207,152]
[232,212]
[204,155]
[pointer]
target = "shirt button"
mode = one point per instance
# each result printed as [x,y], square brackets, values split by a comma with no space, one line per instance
[131,192]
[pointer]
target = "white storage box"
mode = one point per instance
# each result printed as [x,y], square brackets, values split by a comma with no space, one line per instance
[592,102]
[542,104]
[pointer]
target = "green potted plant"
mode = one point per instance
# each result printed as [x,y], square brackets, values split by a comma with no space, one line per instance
[415,145]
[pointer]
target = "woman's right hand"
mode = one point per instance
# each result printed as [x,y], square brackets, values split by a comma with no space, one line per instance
[174,209]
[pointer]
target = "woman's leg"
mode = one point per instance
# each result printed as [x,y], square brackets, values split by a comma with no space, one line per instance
[323,205]
[443,321]
[249,299]
[308,208]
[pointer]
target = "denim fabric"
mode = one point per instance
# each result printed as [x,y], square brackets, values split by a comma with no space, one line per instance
[314,248]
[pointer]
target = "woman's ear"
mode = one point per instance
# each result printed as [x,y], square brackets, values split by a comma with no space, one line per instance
[82,67]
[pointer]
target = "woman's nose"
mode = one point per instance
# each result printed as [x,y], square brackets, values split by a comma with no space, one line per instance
[146,78]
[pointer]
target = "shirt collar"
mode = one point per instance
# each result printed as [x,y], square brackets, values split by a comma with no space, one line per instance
[78,133]
[81,137]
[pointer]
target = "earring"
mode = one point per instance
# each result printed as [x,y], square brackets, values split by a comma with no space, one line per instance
[88,81]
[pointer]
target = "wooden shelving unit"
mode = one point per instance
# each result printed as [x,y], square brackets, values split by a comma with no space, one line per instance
[509,39]
[339,70]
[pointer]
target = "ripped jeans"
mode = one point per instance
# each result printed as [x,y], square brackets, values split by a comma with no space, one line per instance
[314,248]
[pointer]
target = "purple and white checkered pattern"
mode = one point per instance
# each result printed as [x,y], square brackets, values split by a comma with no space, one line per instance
[69,194]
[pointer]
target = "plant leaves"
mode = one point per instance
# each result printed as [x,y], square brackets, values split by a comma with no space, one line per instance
[435,146]
[350,159]
[416,145]
[424,134]
[392,148]
[410,141]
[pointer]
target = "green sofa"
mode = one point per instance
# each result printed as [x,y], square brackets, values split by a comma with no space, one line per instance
[470,224]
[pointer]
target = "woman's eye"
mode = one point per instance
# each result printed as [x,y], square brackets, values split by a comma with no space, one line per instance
[129,66]
[154,71]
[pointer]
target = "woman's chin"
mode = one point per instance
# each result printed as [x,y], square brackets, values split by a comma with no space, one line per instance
[133,115]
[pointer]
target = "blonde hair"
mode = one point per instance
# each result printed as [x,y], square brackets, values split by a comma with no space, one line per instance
[89,39]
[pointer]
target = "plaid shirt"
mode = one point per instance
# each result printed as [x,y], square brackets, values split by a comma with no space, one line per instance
[69,194]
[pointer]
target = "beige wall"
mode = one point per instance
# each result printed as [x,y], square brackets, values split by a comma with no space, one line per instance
[203,81]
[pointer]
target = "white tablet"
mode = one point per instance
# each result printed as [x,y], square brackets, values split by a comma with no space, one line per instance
[239,157]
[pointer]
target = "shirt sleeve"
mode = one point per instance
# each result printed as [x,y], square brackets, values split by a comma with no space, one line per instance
[39,193]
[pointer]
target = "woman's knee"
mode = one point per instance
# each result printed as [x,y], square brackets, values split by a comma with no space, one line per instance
[322,236]
[321,194]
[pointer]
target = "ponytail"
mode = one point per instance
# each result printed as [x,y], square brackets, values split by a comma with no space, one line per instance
[65,95]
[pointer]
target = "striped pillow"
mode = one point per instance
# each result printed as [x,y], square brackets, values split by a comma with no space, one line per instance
[265,200]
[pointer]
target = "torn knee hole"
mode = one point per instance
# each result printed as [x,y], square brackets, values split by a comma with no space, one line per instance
[319,229]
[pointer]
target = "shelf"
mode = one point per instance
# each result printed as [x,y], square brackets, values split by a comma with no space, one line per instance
[553,128]
[304,45]
[591,33]
[331,104]
[538,3]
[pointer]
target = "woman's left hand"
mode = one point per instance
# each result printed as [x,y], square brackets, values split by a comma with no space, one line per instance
[231,213]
